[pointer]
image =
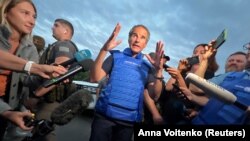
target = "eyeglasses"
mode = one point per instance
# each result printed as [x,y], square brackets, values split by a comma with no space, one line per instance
[246,46]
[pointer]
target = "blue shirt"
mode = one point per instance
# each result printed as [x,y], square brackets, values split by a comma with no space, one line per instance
[219,78]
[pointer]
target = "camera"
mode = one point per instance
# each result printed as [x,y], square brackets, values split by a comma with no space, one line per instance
[41,128]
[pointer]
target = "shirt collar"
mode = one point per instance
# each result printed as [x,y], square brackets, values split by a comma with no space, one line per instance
[128,52]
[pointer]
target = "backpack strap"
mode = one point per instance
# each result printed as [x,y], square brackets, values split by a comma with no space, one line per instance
[44,57]
[74,45]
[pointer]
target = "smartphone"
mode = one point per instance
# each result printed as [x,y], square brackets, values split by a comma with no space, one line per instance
[220,39]
[165,66]
[193,60]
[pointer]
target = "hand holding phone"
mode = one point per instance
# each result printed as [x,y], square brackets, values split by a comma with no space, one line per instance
[220,39]
[193,60]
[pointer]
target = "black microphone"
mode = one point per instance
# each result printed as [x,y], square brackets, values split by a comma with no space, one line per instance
[78,56]
[70,107]
[84,65]
[165,66]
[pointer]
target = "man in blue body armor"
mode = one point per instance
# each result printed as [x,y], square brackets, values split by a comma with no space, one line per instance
[216,112]
[120,103]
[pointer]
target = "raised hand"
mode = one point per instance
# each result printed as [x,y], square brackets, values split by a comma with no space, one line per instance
[209,51]
[112,42]
[183,65]
[157,61]
[174,73]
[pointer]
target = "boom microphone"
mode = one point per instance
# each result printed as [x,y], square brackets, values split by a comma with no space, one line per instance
[61,115]
[73,105]
[214,90]
[83,65]
[78,56]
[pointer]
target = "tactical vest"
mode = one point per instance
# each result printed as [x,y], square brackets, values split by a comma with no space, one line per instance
[45,57]
[61,91]
[217,112]
[122,98]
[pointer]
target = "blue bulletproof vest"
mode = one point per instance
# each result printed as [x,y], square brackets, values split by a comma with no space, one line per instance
[217,112]
[122,98]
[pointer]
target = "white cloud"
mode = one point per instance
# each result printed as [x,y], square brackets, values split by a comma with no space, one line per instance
[180,24]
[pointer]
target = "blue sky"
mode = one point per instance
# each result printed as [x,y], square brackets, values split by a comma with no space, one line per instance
[180,24]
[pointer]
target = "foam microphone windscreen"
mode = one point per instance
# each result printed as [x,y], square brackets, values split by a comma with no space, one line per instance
[211,89]
[70,107]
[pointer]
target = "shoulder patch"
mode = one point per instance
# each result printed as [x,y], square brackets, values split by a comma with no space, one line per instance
[63,49]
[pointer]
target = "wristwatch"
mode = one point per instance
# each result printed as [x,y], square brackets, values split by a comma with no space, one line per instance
[160,78]
[27,67]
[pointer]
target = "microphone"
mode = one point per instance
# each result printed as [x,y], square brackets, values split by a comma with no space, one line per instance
[165,66]
[78,56]
[82,65]
[74,104]
[214,90]
[61,115]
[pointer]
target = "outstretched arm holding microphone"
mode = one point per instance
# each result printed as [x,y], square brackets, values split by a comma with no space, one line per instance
[12,62]
[214,90]
[82,61]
